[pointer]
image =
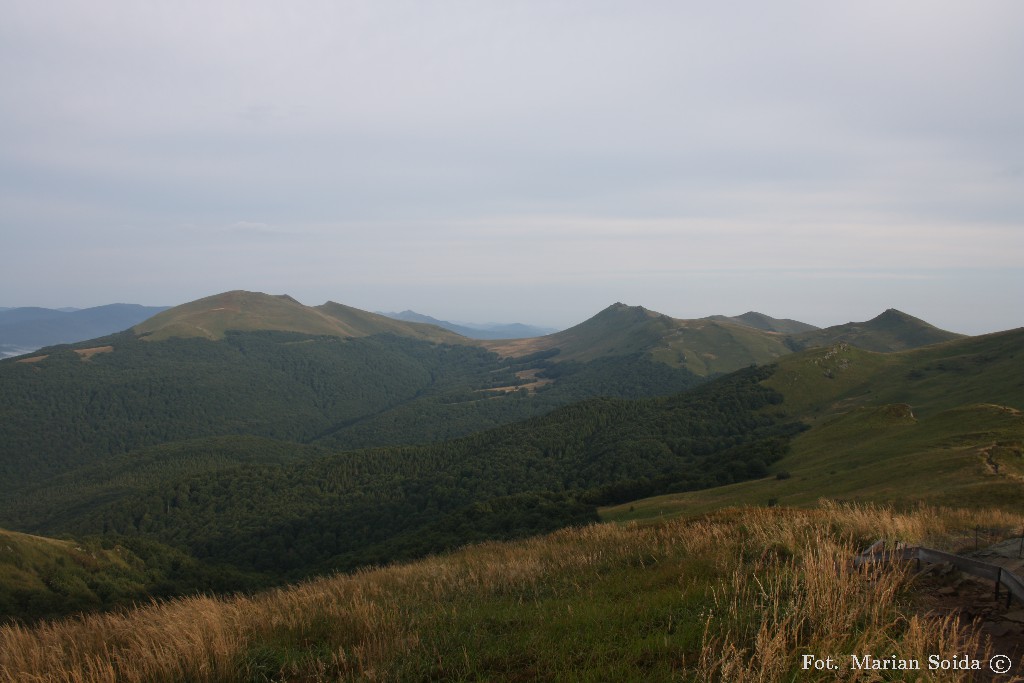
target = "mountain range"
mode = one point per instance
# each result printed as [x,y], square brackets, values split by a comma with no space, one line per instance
[26,329]
[476,331]
[338,376]
[706,346]
[703,346]
[244,439]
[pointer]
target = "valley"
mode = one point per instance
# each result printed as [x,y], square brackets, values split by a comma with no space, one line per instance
[244,442]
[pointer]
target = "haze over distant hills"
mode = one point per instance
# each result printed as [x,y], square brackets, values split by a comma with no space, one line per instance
[212,316]
[249,362]
[221,434]
[476,331]
[704,346]
[891,330]
[28,328]
[180,423]
[761,321]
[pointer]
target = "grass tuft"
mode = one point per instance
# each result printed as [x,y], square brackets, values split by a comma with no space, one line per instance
[737,595]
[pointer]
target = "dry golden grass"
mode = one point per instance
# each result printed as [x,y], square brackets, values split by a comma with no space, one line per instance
[735,596]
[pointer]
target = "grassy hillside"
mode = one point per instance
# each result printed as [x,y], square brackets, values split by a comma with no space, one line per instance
[46,578]
[718,344]
[767,323]
[890,331]
[212,316]
[707,347]
[984,369]
[41,577]
[740,595]
[704,347]
[939,424]
[358,323]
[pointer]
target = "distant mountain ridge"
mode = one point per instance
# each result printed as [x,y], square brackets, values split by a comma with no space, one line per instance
[761,321]
[212,316]
[703,346]
[218,426]
[28,328]
[890,331]
[716,344]
[475,331]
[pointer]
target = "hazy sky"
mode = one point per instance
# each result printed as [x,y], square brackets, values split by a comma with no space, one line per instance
[519,161]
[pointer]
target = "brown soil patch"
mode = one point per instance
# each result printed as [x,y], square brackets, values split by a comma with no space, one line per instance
[515,347]
[531,385]
[87,354]
[534,382]
[33,359]
[510,388]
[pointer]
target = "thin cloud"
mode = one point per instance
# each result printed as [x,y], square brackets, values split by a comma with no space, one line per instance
[337,149]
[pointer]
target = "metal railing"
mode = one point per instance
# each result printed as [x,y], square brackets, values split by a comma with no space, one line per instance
[1000,576]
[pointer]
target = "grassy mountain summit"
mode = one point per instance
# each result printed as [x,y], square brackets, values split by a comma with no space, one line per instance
[212,316]
[717,344]
[703,346]
[890,331]
[767,323]
[617,330]
[359,323]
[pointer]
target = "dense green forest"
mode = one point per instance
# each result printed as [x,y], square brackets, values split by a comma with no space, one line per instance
[271,456]
[62,412]
[288,514]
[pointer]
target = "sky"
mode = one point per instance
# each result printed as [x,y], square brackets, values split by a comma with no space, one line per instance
[519,161]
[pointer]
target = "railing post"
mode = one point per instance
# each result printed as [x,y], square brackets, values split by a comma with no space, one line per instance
[1014,582]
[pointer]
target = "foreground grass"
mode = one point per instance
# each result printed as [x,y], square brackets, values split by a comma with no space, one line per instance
[739,595]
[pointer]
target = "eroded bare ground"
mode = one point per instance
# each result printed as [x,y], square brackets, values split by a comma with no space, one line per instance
[531,382]
[941,589]
[86,354]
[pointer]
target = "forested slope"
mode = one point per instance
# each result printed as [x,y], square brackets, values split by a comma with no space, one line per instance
[341,510]
[75,406]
